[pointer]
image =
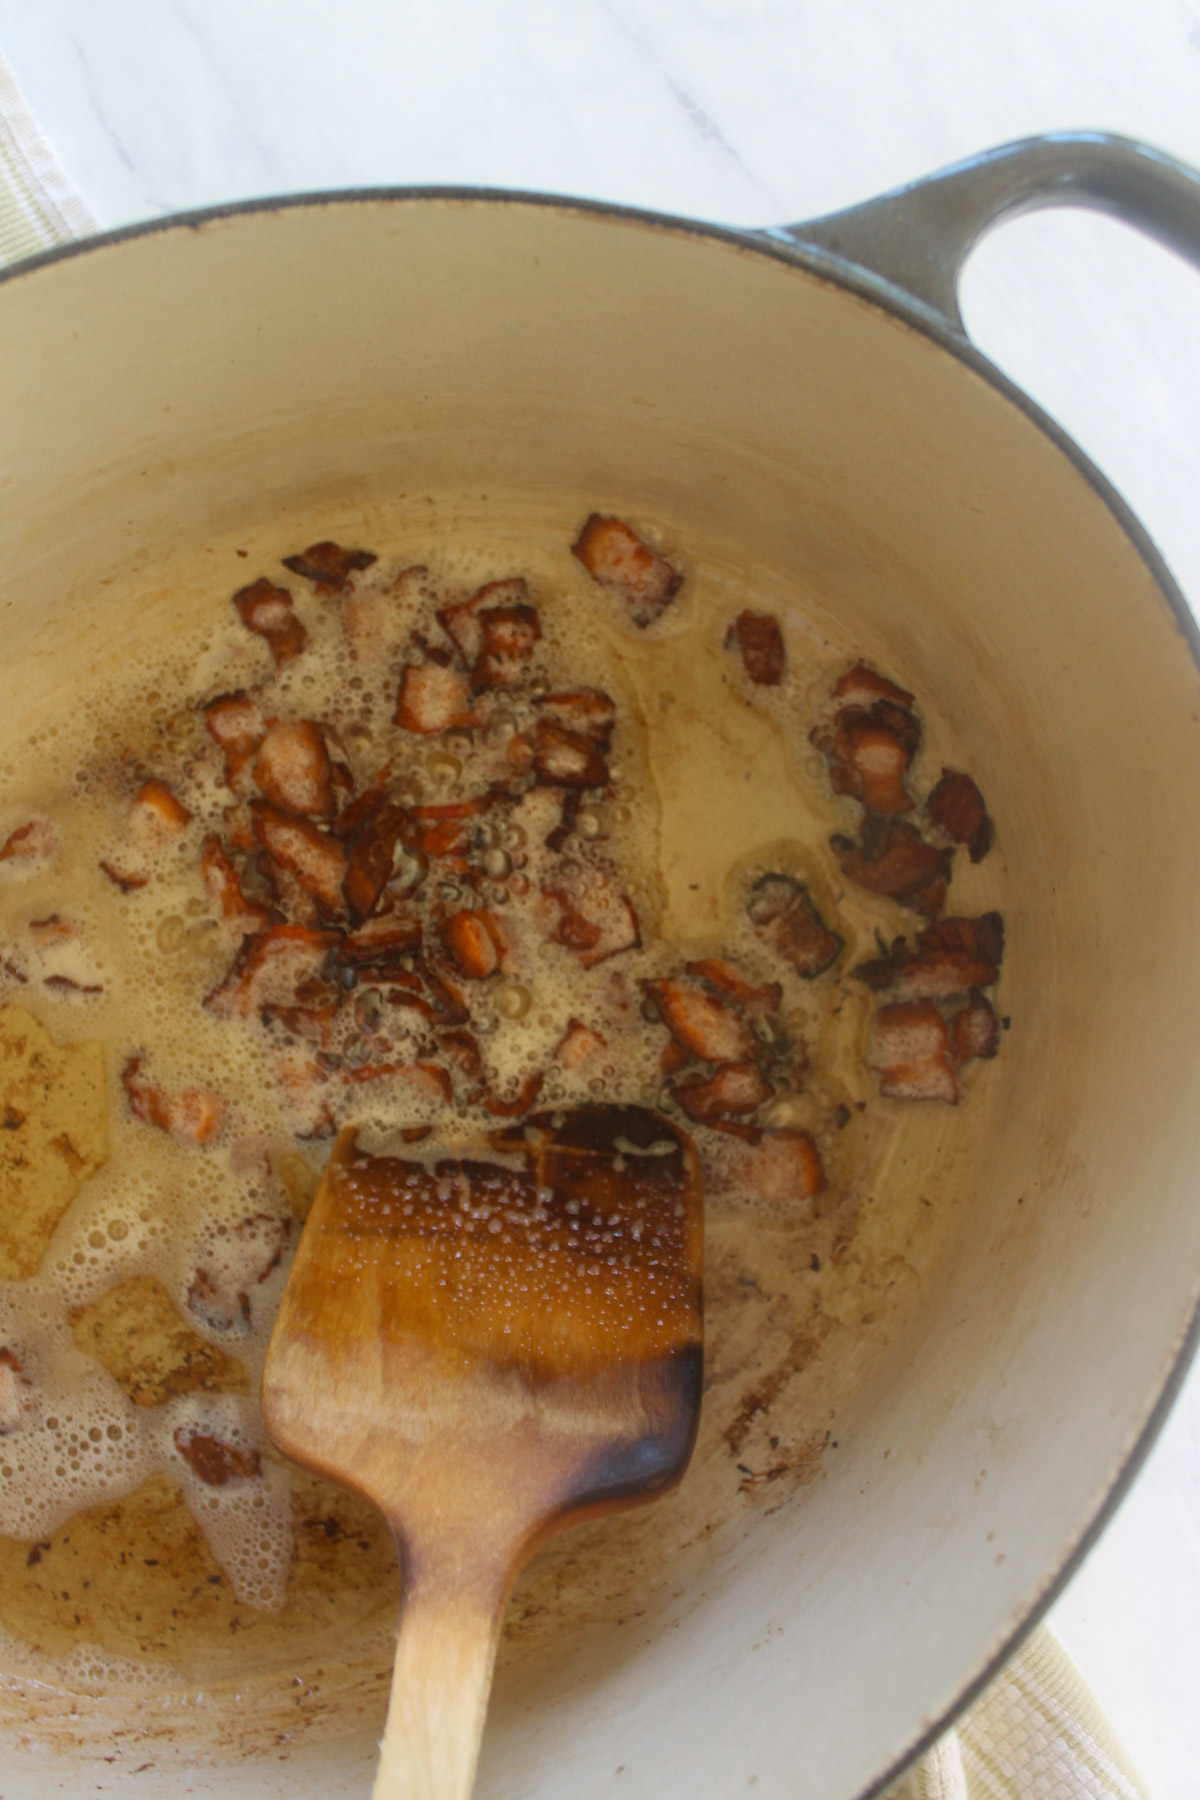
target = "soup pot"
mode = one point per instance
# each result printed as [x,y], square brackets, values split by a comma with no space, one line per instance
[802,400]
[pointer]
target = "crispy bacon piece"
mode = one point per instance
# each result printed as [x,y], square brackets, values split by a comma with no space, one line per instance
[507,638]
[580,1047]
[460,619]
[214,1462]
[65,984]
[596,919]
[442,830]
[472,941]
[758,637]
[910,1052]
[974,1030]
[156,819]
[269,966]
[370,858]
[328,564]
[738,1087]
[519,1103]
[312,1023]
[304,1082]
[235,724]
[222,883]
[16,1392]
[957,805]
[267,611]
[563,758]
[615,556]
[231,1263]
[783,913]
[51,930]
[317,861]
[429,1081]
[447,1001]
[293,770]
[782,1167]
[894,860]
[376,620]
[864,687]
[588,712]
[705,1023]
[462,1049]
[950,958]
[194,1113]
[377,947]
[730,980]
[432,699]
[34,842]
[869,737]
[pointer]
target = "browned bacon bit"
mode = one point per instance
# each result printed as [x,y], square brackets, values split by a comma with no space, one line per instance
[293,770]
[735,1088]
[910,1052]
[123,879]
[234,1262]
[269,966]
[563,758]
[520,1103]
[674,1057]
[63,984]
[782,911]
[317,861]
[703,1022]
[723,975]
[614,555]
[223,885]
[53,929]
[596,919]
[758,637]
[328,564]
[376,620]
[362,810]
[213,1462]
[470,939]
[586,711]
[314,1024]
[382,941]
[33,842]
[956,804]
[370,860]
[951,957]
[580,1047]
[572,800]
[975,1030]
[303,1081]
[428,1081]
[156,817]
[864,687]
[235,724]
[432,699]
[868,738]
[449,1006]
[267,611]
[461,620]
[783,1168]
[507,638]
[15,1392]
[194,1113]
[894,860]
[462,1049]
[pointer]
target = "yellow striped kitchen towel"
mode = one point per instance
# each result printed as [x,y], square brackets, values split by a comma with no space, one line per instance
[38,205]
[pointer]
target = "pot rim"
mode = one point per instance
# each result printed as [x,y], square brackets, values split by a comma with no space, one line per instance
[918,316]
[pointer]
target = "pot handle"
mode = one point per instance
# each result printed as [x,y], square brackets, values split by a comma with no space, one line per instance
[917,238]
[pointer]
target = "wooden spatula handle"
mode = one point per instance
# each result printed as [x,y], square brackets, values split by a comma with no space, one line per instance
[443,1673]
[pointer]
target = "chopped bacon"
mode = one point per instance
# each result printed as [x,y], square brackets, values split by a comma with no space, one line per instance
[16,1392]
[865,687]
[268,967]
[376,620]
[894,860]
[317,861]
[596,919]
[675,1057]
[194,1113]
[758,637]
[156,819]
[519,1103]
[222,883]
[267,610]
[462,1049]
[231,1263]
[507,638]
[470,937]
[563,758]
[65,984]
[869,737]
[580,1047]
[957,805]
[432,699]
[380,944]
[737,1087]
[614,555]
[123,878]
[588,712]
[33,842]
[460,619]
[293,770]
[731,981]
[950,958]
[449,1005]
[785,1166]
[783,913]
[328,564]
[214,1462]
[705,1023]
[370,858]
[441,830]
[428,1081]
[312,1023]
[910,1052]
[303,1082]
[51,930]
[974,1030]
[236,725]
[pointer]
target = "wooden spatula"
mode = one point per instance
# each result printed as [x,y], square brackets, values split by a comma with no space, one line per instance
[489,1343]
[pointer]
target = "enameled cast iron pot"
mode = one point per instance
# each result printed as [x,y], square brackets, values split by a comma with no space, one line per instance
[804,399]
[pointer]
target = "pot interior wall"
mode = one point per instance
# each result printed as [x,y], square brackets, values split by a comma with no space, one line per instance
[316,363]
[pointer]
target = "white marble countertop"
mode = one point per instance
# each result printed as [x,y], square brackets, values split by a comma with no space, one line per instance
[749,112]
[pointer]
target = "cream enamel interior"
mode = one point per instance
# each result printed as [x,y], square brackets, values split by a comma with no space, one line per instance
[315,361]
